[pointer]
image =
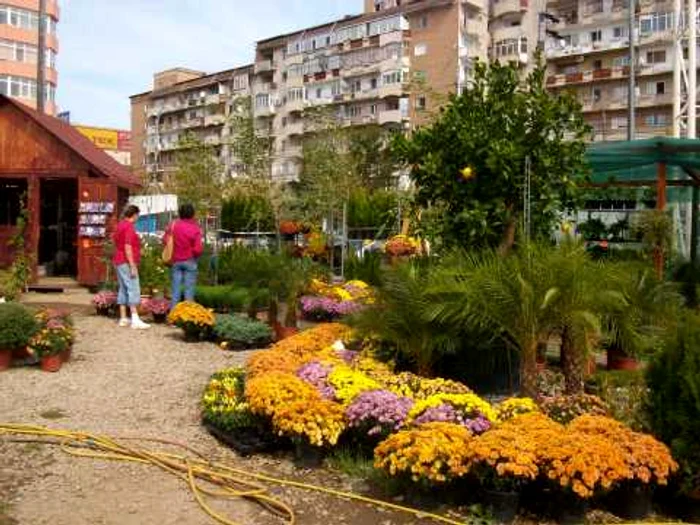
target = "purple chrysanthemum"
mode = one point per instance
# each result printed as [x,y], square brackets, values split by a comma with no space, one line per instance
[380,410]
[316,374]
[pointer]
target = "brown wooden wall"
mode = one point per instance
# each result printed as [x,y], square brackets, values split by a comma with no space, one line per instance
[26,148]
[28,151]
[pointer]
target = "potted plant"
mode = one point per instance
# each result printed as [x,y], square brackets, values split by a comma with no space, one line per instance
[196,321]
[17,327]
[238,333]
[105,302]
[158,308]
[296,280]
[52,342]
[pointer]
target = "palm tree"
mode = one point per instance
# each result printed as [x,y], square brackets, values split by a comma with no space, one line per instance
[576,310]
[399,318]
[512,296]
[637,309]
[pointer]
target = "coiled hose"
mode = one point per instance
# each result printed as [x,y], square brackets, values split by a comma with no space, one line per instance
[204,478]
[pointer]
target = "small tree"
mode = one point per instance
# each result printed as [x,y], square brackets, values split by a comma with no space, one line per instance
[253,149]
[198,178]
[471,162]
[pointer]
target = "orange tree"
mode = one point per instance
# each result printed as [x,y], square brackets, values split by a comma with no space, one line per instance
[471,162]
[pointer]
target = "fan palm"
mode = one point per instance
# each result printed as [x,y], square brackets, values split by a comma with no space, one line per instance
[638,309]
[399,318]
[512,296]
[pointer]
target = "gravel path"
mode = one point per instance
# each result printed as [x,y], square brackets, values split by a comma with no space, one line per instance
[146,383]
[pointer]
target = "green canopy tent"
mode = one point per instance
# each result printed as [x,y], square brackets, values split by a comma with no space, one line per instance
[661,162]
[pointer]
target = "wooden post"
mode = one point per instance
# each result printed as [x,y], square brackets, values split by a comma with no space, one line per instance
[661,186]
[694,227]
[661,206]
[33,227]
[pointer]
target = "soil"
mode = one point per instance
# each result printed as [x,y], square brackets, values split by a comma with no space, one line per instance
[122,382]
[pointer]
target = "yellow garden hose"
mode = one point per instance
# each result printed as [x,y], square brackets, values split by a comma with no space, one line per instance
[204,477]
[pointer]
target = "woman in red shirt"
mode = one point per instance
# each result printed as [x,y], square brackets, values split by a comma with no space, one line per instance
[127,256]
[187,247]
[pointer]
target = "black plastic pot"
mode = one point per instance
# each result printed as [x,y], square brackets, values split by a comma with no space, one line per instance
[308,456]
[630,502]
[245,441]
[503,505]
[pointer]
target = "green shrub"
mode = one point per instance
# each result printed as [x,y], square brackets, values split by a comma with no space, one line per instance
[221,298]
[17,326]
[153,274]
[367,268]
[240,332]
[674,397]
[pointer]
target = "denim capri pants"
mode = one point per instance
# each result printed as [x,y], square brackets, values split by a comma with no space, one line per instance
[129,287]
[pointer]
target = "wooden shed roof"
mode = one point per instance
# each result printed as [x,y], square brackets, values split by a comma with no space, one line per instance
[98,160]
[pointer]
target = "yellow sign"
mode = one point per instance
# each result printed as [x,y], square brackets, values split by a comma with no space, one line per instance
[102,138]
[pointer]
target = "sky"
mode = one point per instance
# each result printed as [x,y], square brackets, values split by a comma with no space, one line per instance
[109,49]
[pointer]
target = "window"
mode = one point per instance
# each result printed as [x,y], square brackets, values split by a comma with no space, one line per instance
[355,86]
[656,22]
[373,109]
[618,122]
[319,92]
[392,78]
[420,49]
[619,32]
[656,57]
[23,87]
[597,94]
[23,19]
[373,83]
[597,64]
[354,111]
[422,22]
[596,36]
[11,192]
[421,103]
[621,61]
[655,88]
[656,120]
[509,47]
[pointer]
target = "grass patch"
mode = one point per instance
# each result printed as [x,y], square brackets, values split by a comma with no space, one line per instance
[53,413]
[351,462]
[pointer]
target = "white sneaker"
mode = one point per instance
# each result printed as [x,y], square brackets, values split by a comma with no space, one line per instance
[139,325]
[124,323]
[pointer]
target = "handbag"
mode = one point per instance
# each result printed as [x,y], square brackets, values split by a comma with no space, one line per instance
[169,247]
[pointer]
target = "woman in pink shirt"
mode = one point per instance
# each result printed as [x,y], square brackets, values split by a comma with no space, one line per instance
[187,247]
[127,256]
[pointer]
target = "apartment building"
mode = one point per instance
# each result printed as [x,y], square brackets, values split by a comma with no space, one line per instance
[19,37]
[516,27]
[184,101]
[384,67]
[591,59]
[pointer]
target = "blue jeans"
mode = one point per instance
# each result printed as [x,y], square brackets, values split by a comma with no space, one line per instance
[183,273]
[129,287]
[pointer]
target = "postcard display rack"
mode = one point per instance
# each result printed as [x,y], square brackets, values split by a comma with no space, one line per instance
[93,219]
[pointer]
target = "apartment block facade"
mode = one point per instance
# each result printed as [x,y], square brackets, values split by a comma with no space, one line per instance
[19,37]
[383,67]
[184,101]
[591,59]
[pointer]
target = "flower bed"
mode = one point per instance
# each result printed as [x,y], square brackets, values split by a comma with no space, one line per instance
[310,390]
[330,302]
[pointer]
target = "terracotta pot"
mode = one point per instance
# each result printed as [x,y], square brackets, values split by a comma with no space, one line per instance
[67,354]
[591,366]
[282,332]
[5,359]
[51,363]
[620,361]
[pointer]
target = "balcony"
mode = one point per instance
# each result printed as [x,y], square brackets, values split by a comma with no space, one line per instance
[357,70]
[193,122]
[214,120]
[391,90]
[295,106]
[391,116]
[645,101]
[213,100]
[265,111]
[507,33]
[392,38]
[505,7]
[294,129]
[482,5]
[475,27]
[264,66]
[212,140]
[364,94]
